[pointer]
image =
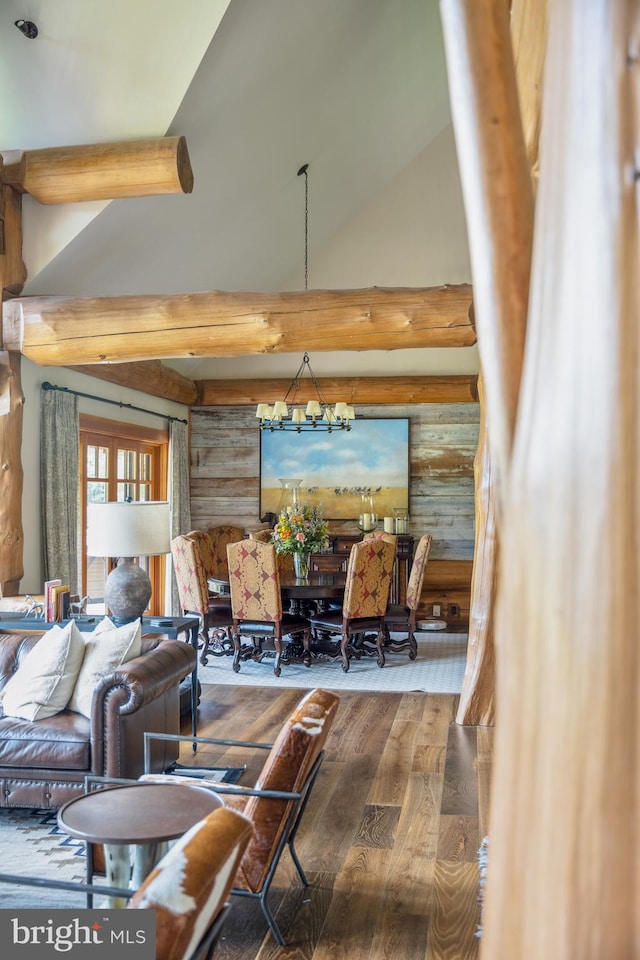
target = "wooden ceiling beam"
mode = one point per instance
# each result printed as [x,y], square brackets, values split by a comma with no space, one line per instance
[355,390]
[103,171]
[147,376]
[63,331]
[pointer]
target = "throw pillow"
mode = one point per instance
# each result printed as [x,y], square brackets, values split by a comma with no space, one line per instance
[107,648]
[44,681]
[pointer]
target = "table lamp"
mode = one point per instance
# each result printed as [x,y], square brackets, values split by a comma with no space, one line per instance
[126,531]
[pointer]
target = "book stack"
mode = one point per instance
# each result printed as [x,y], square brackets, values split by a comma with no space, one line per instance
[57,597]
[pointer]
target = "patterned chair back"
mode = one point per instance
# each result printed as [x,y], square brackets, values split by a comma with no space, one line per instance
[191,574]
[368,581]
[220,537]
[418,570]
[206,550]
[285,560]
[382,535]
[254,581]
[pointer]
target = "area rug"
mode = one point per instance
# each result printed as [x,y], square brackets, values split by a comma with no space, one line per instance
[438,668]
[32,845]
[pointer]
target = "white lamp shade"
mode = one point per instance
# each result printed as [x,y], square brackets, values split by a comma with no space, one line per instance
[117,529]
[280,409]
[314,409]
[298,416]
[340,408]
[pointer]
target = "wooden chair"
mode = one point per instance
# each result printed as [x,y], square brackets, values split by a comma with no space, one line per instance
[366,595]
[191,557]
[256,603]
[285,560]
[401,618]
[275,806]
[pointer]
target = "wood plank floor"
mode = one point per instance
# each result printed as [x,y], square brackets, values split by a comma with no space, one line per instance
[390,835]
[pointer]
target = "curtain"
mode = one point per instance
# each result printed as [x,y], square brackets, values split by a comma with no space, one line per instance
[60,485]
[179,494]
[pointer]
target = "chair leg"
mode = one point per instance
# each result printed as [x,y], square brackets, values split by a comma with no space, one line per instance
[277,642]
[343,651]
[306,643]
[379,643]
[273,926]
[236,651]
[413,646]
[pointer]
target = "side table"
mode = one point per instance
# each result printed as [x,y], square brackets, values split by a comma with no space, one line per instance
[142,816]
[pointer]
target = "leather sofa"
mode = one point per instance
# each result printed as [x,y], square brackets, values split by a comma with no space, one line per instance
[43,763]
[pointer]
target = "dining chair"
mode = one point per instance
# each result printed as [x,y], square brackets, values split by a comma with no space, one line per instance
[285,560]
[219,537]
[366,595]
[401,617]
[276,804]
[256,602]
[191,557]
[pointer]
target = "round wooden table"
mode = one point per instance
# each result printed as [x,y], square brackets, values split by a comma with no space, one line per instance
[142,816]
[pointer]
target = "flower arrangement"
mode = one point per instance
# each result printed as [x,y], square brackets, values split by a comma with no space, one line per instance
[303,531]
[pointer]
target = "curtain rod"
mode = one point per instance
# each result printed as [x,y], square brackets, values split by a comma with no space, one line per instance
[116,403]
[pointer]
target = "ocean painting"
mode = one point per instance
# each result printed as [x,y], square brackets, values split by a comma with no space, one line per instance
[336,469]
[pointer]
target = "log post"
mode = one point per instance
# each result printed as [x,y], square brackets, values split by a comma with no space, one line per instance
[12,277]
[477,699]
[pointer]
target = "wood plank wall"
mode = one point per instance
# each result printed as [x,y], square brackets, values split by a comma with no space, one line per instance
[225,484]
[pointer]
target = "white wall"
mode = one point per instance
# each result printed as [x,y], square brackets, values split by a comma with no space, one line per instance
[32,377]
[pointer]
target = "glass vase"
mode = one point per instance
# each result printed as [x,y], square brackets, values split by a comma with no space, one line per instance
[367,520]
[301,563]
[289,495]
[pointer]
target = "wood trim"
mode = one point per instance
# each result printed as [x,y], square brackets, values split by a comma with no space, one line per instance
[459,389]
[62,331]
[116,428]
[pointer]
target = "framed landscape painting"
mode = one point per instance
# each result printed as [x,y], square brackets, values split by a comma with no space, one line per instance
[336,469]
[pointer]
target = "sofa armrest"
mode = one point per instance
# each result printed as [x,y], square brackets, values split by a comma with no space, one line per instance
[131,687]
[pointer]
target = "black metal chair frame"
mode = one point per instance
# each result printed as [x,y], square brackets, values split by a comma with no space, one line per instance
[291,826]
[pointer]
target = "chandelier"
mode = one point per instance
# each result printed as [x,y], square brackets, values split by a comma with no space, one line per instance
[318,414]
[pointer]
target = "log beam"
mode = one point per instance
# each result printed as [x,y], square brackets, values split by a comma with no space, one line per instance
[147,376]
[462,389]
[103,171]
[58,331]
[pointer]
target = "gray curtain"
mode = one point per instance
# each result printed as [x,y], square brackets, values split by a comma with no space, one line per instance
[179,493]
[60,485]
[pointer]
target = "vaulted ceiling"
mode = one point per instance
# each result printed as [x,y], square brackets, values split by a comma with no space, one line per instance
[355,88]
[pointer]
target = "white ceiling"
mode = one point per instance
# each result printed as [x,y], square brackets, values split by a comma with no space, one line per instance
[355,88]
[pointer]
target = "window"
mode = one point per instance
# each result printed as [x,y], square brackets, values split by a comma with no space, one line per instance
[120,461]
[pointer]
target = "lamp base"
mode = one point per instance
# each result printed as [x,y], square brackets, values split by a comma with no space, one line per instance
[127,591]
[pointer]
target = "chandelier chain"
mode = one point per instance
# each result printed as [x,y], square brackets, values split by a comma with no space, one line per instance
[304,170]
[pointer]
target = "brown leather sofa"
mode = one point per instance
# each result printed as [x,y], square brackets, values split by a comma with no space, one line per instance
[43,763]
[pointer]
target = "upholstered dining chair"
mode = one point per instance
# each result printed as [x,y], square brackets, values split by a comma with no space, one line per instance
[191,559]
[276,804]
[220,537]
[285,560]
[401,618]
[256,603]
[366,595]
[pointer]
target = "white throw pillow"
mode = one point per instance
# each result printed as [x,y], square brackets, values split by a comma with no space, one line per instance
[44,681]
[106,649]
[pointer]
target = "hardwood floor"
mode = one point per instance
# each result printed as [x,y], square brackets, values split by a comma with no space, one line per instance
[390,835]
